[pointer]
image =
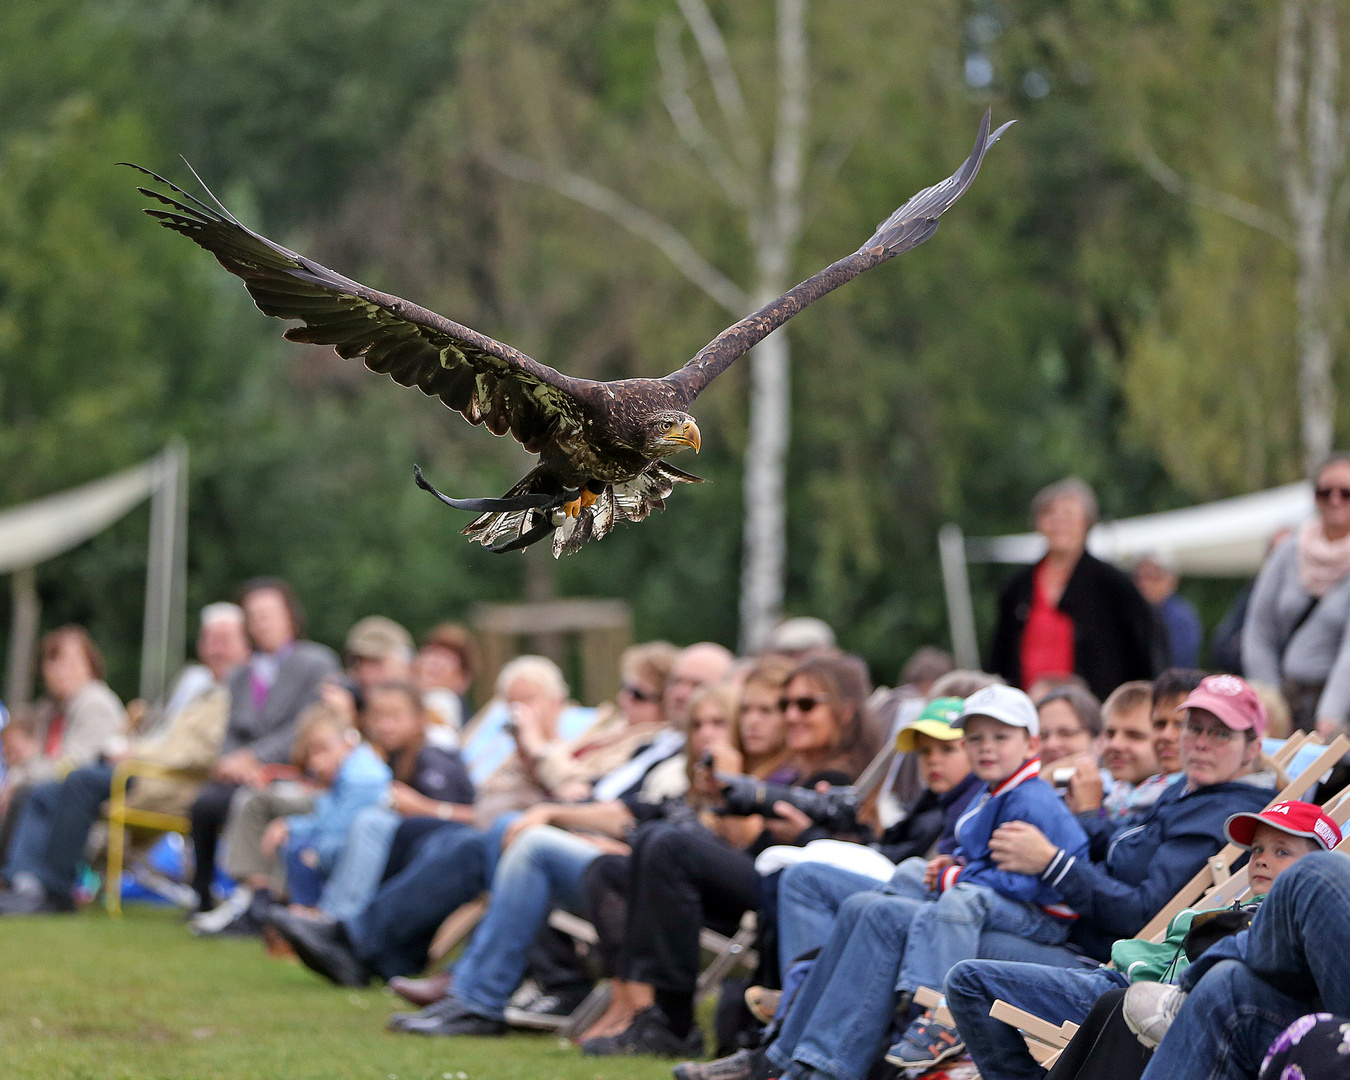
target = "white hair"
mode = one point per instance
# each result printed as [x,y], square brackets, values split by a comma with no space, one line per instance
[223,611]
[539,670]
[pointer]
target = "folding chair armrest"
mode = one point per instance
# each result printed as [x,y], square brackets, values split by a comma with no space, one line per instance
[126,770]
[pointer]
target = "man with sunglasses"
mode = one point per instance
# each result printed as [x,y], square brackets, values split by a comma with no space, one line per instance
[1294,634]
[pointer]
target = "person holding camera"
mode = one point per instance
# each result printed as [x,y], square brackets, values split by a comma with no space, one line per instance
[684,873]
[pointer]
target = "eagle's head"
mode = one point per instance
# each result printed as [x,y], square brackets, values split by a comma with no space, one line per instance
[669,432]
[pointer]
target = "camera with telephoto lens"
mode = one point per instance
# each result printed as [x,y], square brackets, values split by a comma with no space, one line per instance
[835,808]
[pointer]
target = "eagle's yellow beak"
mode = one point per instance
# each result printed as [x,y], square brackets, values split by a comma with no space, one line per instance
[689,435]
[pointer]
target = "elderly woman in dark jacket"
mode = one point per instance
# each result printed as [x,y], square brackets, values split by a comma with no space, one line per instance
[1071,612]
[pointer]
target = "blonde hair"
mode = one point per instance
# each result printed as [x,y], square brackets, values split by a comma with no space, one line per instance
[315,720]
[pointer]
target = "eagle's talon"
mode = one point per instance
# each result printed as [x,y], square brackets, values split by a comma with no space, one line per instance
[588,497]
[573,507]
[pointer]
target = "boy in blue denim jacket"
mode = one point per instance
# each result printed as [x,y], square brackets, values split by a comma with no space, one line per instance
[968,894]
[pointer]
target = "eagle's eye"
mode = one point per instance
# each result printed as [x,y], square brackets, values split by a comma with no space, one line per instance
[670,425]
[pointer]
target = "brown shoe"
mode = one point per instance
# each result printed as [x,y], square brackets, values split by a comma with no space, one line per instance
[421,992]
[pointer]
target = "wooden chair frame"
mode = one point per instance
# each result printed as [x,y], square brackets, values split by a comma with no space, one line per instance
[1213,885]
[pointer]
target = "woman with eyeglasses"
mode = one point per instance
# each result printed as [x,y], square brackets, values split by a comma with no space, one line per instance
[684,873]
[1294,635]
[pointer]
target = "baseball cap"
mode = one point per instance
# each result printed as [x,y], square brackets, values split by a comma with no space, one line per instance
[1231,700]
[376,637]
[935,720]
[1292,817]
[1006,704]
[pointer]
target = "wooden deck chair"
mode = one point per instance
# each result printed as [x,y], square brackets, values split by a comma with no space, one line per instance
[122,817]
[456,927]
[1045,1041]
[1218,866]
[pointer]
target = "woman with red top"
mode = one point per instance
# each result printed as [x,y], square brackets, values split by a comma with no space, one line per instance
[1071,612]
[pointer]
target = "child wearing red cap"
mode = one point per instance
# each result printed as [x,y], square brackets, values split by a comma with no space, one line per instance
[1278,837]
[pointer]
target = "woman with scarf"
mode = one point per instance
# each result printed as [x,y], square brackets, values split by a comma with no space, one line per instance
[1295,634]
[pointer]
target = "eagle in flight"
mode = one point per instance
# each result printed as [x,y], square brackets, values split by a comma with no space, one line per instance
[602,446]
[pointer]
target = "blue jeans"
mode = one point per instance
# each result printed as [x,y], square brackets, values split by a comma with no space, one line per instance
[393,933]
[1054,994]
[946,929]
[541,869]
[53,827]
[1295,955]
[839,1020]
[355,877]
[809,895]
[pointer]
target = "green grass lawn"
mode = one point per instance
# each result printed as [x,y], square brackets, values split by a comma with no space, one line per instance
[86,997]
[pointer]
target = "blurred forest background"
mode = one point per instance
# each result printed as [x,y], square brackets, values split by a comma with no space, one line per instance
[1072,314]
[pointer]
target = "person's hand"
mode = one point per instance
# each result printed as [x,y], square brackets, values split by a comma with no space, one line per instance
[535,815]
[726,759]
[1085,787]
[527,728]
[239,767]
[933,871]
[788,825]
[1327,728]
[404,801]
[277,832]
[1020,848]
[610,846]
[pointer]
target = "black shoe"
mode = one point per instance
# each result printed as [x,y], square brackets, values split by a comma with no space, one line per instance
[322,946]
[38,902]
[449,1016]
[648,1034]
[742,1065]
[447,1008]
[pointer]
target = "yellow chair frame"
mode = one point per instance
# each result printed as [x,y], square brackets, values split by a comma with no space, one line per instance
[122,817]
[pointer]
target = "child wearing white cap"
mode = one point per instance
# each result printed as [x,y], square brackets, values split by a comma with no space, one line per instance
[968,894]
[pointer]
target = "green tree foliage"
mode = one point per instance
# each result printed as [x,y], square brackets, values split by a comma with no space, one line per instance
[1069,316]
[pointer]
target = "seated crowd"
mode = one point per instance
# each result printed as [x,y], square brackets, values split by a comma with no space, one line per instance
[957,834]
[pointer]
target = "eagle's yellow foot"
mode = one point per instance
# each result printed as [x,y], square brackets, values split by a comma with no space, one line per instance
[577,505]
[581,502]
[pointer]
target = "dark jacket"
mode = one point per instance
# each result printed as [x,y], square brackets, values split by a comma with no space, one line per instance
[1024,796]
[1148,858]
[1115,634]
[931,820]
[268,732]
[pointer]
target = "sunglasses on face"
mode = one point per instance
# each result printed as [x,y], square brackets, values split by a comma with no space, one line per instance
[638,694]
[802,704]
[1324,494]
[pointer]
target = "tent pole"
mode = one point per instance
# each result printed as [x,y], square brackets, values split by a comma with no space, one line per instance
[23,628]
[162,588]
[956,586]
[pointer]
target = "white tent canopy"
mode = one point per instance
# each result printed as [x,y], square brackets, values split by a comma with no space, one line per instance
[1227,538]
[44,528]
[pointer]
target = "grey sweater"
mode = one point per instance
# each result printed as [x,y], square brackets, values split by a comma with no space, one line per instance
[1320,649]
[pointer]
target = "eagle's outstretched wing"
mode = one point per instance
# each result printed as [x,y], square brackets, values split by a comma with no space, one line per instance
[488,382]
[907,228]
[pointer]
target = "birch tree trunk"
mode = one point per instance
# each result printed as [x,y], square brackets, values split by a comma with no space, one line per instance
[767,188]
[1312,151]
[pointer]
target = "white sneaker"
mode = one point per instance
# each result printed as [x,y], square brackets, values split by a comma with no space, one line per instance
[219,917]
[1149,1009]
